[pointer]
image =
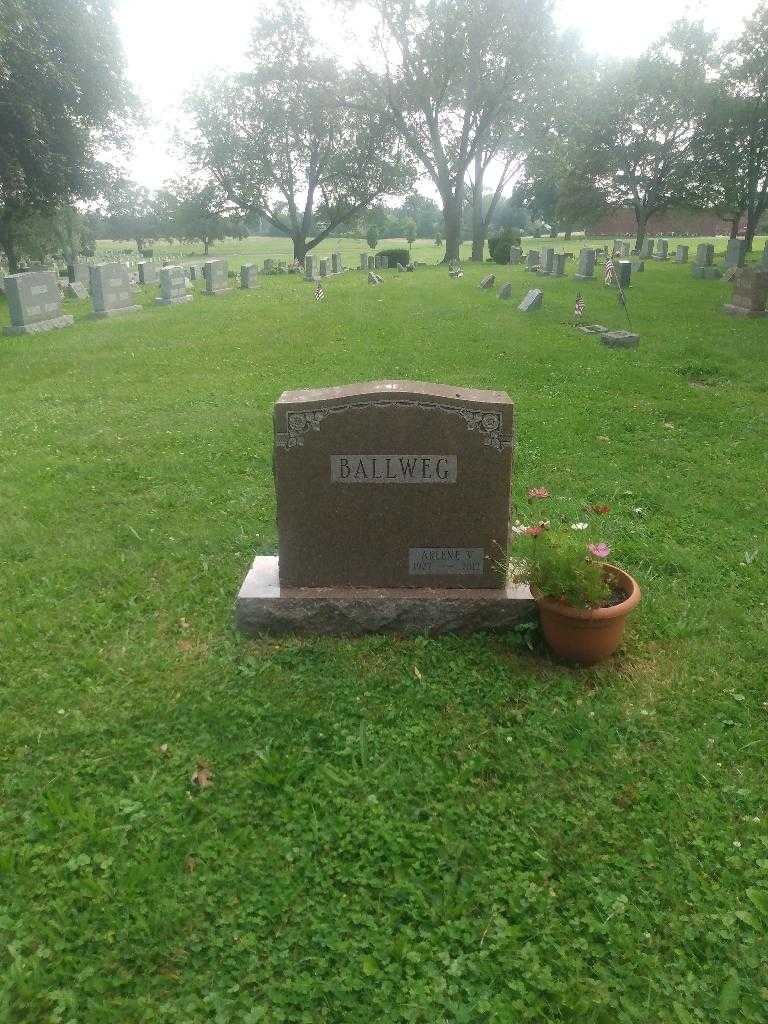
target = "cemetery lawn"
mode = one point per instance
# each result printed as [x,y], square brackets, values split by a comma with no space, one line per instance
[418,830]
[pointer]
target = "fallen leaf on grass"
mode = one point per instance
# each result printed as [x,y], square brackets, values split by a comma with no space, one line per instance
[163,748]
[602,510]
[203,776]
[417,673]
[190,865]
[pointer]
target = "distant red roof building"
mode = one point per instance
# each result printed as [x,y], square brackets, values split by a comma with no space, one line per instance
[673,222]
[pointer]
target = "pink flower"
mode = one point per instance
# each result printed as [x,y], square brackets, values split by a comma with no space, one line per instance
[534,531]
[538,492]
[600,550]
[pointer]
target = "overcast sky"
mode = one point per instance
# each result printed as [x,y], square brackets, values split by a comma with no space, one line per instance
[171,44]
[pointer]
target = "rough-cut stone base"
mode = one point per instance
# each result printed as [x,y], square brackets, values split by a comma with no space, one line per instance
[218,291]
[40,327]
[584,277]
[741,311]
[175,301]
[264,606]
[103,314]
[708,273]
[620,339]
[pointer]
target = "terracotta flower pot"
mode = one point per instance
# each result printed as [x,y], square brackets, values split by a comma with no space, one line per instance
[587,635]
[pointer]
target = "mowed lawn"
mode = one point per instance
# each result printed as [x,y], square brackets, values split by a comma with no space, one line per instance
[416,830]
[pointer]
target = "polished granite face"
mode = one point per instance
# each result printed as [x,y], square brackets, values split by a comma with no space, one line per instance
[393,484]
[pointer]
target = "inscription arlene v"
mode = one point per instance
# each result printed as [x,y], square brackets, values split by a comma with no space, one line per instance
[394,469]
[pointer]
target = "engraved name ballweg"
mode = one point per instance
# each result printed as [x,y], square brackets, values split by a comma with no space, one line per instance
[488,424]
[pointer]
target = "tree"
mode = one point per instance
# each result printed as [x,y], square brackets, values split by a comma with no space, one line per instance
[733,145]
[63,97]
[449,69]
[295,129]
[372,236]
[410,233]
[424,211]
[192,212]
[132,214]
[638,148]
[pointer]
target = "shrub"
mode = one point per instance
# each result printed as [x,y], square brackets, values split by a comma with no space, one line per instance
[396,256]
[499,245]
[372,237]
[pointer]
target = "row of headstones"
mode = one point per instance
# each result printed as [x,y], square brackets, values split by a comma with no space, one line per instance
[34,298]
[548,263]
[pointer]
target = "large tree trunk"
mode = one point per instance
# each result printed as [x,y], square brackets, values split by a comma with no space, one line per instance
[452,217]
[300,247]
[567,235]
[735,226]
[478,221]
[206,246]
[642,226]
[13,259]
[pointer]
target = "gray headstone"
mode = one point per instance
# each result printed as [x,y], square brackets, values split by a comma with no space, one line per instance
[586,267]
[173,287]
[79,272]
[248,275]
[336,265]
[558,266]
[192,272]
[382,262]
[705,254]
[363,260]
[147,272]
[706,273]
[546,260]
[111,290]
[216,273]
[34,303]
[488,281]
[626,250]
[532,260]
[76,290]
[681,254]
[620,339]
[515,255]
[309,267]
[662,250]
[269,266]
[505,292]
[625,273]
[736,252]
[324,266]
[531,301]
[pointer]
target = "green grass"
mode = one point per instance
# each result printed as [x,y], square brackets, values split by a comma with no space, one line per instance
[494,838]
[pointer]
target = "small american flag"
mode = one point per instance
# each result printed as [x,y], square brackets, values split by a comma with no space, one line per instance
[319,292]
[608,279]
[578,309]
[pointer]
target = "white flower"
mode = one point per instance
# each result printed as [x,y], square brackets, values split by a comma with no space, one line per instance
[737,844]
[517,527]
[639,511]
[579,526]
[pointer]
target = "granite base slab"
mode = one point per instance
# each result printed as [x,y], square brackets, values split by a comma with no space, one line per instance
[103,314]
[43,325]
[218,291]
[264,606]
[741,311]
[175,301]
